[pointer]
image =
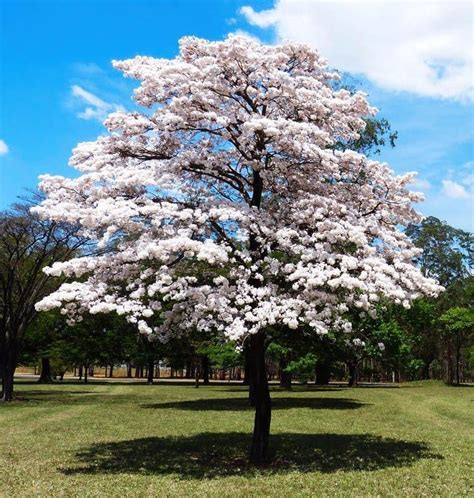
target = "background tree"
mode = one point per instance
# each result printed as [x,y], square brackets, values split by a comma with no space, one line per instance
[447,252]
[459,328]
[39,338]
[27,245]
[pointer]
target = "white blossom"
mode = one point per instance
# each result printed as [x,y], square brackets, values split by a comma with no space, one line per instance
[222,205]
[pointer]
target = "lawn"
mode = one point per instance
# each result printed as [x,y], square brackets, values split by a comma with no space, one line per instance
[117,439]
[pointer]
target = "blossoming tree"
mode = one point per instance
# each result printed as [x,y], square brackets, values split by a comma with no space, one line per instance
[232,165]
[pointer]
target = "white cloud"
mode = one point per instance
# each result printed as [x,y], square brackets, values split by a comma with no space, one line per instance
[421,184]
[3,148]
[242,32]
[468,180]
[97,108]
[455,190]
[424,47]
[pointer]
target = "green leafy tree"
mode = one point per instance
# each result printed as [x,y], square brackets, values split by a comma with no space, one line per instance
[458,330]
[27,245]
[447,252]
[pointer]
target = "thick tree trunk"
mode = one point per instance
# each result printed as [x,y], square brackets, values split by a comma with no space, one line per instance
[129,370]
[263,410]
[81,369]
[7,385]
[45,376]
[8,373]
[205,369]
[86,370]
[323,373]
[111,370]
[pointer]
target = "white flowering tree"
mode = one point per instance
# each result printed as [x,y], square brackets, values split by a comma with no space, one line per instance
[231,166]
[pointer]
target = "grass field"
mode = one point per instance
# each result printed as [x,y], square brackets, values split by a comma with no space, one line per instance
[118,439]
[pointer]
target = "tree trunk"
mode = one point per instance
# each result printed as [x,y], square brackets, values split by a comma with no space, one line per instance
[205,369]
[8,373]
[86,371]
[129,370]
[151,370]
[81,369]
[45,376]
[8,356]
[352,374]
[263,410]
[111,370]
[323,373]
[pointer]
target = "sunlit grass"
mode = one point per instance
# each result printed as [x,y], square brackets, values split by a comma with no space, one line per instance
[174,440]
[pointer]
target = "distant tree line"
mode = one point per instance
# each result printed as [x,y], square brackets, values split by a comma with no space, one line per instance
[431,340]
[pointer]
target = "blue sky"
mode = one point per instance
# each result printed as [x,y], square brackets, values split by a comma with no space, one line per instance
[57,82]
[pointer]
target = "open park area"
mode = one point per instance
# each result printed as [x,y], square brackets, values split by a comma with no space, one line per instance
[220,273]
[170,439]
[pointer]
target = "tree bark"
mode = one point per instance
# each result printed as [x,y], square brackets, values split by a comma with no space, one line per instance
[8,373]
[263,410]
[45,376]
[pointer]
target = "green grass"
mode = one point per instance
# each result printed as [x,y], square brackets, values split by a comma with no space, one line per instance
[119,439]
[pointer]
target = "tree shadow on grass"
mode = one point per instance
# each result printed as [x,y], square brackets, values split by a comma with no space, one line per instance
[240,404]
[66,397]
[211,455]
